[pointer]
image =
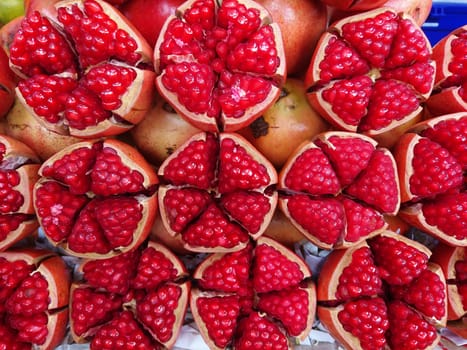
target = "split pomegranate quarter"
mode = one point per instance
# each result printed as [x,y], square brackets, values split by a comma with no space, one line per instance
[383,293]
[370,73]
[450,91]
[136,300]
[336,188]
[260,295]
[19,166]
[86,71]
[220,65]
[34,295]
[431,161]
[96,198]
[217,191]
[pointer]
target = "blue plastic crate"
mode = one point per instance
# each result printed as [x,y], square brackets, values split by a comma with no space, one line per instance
[445,16]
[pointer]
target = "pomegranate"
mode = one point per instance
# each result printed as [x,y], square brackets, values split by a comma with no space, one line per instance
[301,22]
[161,132]
[450,91]
[352,5]
[19,167]
[34,298]
[382,294]
[259,295]
[285,125]
[7,84]
[148,16]
[373,89]
[90,66]
[283,231]
[220,66]
[431,161]
[216,192]
[453,261]
[136,300]
[23,126]
[96,198]
[336,187]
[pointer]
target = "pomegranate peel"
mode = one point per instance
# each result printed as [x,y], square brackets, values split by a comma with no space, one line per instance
[232,91]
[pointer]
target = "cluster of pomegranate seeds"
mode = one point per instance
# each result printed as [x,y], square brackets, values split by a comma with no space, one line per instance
[216,192]
[81,70]
[370,286]
[370,72]
[263,289]
[136,299]
[96,198]
[220,65]
[346,176]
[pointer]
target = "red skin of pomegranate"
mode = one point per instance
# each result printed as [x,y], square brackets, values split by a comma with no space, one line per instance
[7,84]
[148,16]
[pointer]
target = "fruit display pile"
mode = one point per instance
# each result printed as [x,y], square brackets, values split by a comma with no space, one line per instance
[255,169]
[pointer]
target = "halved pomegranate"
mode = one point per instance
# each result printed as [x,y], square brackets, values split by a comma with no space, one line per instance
[259,295]
[19,167]
[382,294]
[34,294]
[220,65]
[450,91]
[336,187]
[431,161]
[96,198]
[136,300]
[85,68]
[370,73]
[453,261]
[217,192]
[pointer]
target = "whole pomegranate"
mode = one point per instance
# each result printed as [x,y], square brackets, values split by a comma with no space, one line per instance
[383,294]
[220,65]
[370,73]
[216,192]
[96,198]
[136,300]
[260,295]
[301,22]
[84,68]
[337,187]
[161,132]
[34,296]
[19,167]
[148,16]
[285,125]
[23,126]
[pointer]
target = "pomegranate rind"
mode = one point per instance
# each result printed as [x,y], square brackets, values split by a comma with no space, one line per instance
[349,5]
[221,122]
